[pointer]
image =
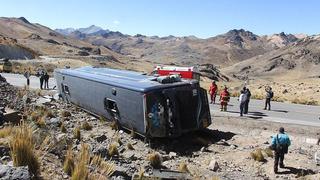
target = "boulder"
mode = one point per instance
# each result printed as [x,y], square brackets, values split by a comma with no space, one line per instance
[101,138]
[14,173]
[213,165]
[83,53]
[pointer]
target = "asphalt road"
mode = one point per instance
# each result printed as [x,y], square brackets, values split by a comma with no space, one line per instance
[20,81]
[280,112]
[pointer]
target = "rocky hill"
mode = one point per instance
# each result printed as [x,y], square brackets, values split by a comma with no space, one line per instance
[44,41]
[222,50]
[297,60]
[9,48]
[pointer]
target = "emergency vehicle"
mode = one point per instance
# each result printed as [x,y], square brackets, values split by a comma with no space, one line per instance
[184,72]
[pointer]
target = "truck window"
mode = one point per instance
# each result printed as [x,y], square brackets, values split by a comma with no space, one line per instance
[65,89]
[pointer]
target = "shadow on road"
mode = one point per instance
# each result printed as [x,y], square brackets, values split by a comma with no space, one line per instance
[282,111]
[297,171]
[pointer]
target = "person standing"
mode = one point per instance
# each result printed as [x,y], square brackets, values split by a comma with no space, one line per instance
[269,96]
[41,74]
[27,76]
[213,92]
[246,104]
[280,144]
[242,100]
[224,99]
[46,80]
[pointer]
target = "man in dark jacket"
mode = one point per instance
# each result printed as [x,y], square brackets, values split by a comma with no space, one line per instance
[246,104]
[46,80]
[269,96]
[280,144]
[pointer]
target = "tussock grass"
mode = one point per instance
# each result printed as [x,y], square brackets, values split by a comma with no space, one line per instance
[103,119]
[86,126]
[65,113]
[69,164]
[41,122]
[63,128]
[114,125]
[81,171]
[278,99]
[104,168]
[257,155]
[77,133]
[304,101]
[129,146]
[258,96]
[235,94]
[113,150]
[6,131]
[39,92]
[155,160]
[215,178]
[268,152]
[183,167]
[22,150]
[132,133]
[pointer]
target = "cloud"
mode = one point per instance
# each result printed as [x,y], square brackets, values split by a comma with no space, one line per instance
[116,22]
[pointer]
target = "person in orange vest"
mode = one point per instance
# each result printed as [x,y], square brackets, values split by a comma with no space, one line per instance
[213,92]
[224,99]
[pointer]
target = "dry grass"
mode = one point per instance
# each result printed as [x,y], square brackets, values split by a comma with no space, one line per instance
[268,152]
[41,122]
[278,99]
[129,146]
[103,119]
[235,94]
[77,133]
[155,160]
[257,155]
[133,133]
[22,150]
[63,128]
[113,150]
[86,126]
[114,125]
[257,96]
[104,168]
[65,113]
[215,178]
[304,101]
[39,92]
[81,171]
[68,164]
[6,131]
[183,167]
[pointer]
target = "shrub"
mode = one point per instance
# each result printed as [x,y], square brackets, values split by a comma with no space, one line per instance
[68,165]
[114,125]
[105,168]
[155,160]
[113,150]
[257,155]
[77,133]
[183,167]
[41,122]
[22,150]
[102,119]
[86,126]
[81,171]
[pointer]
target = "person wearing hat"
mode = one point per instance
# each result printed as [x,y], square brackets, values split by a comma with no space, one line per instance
[280,144]
[224,99]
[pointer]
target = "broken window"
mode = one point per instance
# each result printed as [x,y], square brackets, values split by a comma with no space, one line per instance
[110,105]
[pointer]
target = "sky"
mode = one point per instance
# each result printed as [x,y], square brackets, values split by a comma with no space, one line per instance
[202,18]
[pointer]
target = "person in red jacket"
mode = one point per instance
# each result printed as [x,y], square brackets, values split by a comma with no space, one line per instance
[224,99]
[213,92]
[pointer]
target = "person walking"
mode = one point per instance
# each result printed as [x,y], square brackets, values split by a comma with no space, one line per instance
[224,99]
[46,80]
[213,92]
[280,144]
[269,96]
[242,100]
[27,76]
[248,96]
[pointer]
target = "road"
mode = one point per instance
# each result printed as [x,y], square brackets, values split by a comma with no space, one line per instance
[280,112]
[20,81]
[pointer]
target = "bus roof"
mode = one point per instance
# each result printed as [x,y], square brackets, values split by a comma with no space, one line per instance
[120,78]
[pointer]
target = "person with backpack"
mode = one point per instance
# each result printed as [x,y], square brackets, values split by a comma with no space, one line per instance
[242,100]
[213,92]
[280,144]
[269,96]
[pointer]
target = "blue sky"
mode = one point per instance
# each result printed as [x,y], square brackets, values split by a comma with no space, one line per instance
[202,18]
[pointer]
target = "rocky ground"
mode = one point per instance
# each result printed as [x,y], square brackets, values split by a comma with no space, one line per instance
[220,152]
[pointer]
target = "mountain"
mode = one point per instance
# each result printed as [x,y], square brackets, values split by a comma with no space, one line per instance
[41,40]
[222,50]
[297,60]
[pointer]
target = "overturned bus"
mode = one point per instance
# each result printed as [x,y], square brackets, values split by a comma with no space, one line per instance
[146,104]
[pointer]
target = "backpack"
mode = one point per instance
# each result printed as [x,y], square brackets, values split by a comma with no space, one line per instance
[271,94]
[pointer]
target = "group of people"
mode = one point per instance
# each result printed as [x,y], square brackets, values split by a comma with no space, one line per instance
[280,142]
[43,76]
[244,98]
